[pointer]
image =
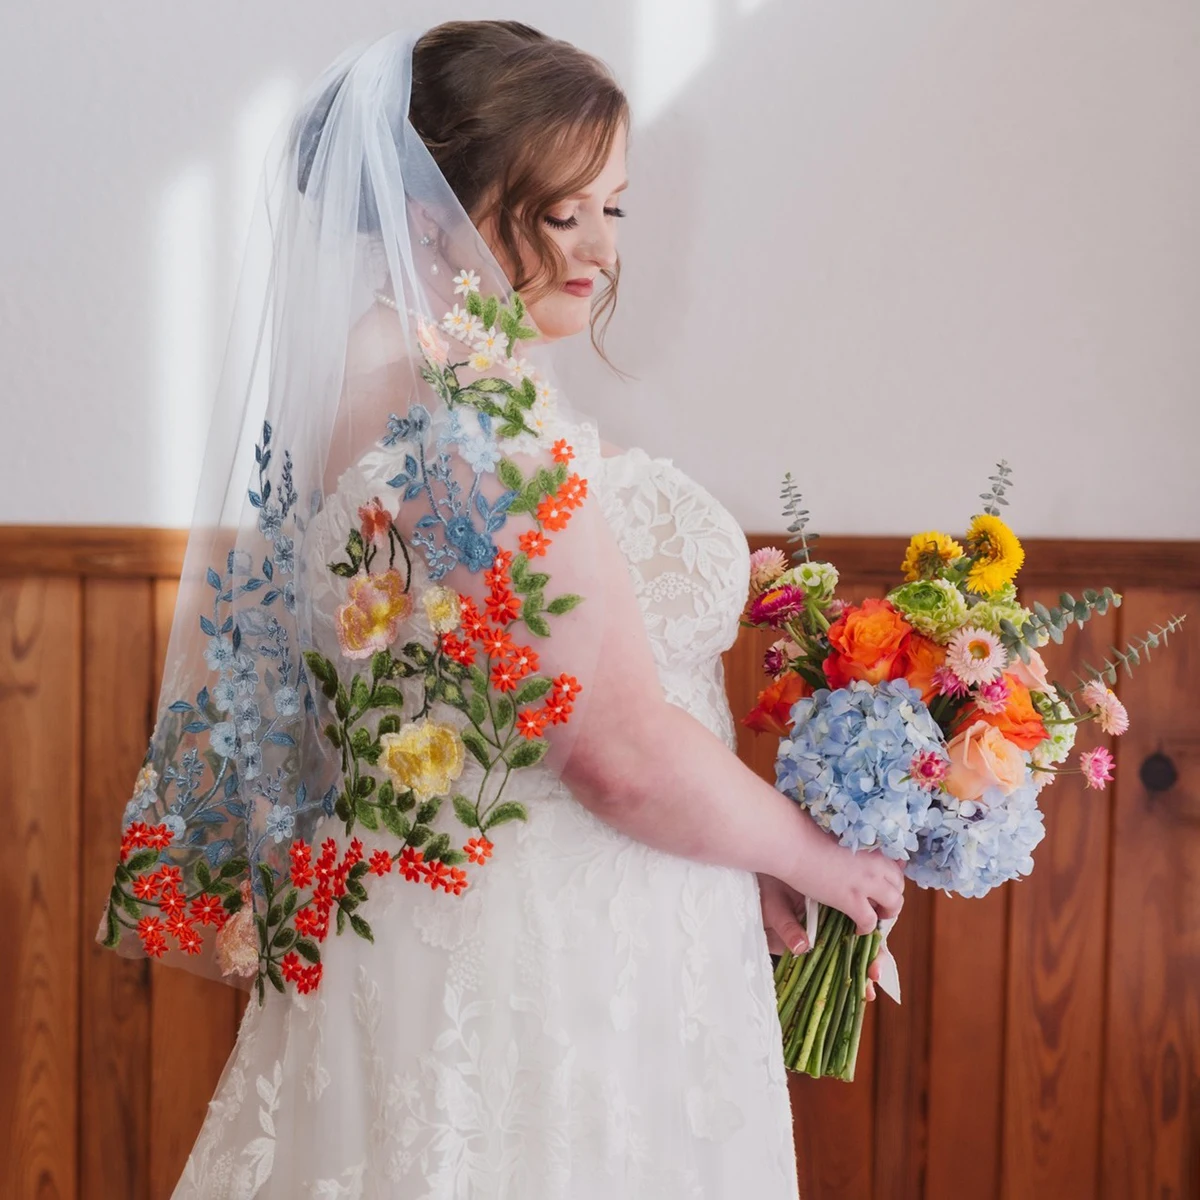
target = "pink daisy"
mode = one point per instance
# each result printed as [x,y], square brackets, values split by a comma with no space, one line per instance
[949,684]
[1097,766]
[993,697]
[928,769]
[766,565]
[1110,712]
[975,655]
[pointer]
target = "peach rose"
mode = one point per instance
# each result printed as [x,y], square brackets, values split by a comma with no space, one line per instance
[1020,722]
[772,713]
[982,757]
[922,657]
[370,618]
[1031,674]
[867,642]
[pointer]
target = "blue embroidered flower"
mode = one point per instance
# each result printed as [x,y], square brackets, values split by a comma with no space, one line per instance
[175,823]
[287,701]
[250,760]
[223,739]
[285,554]
[281,822]
[270,520]
[475,550]
[247,716]
[219,653]
[223,695]
[245,677]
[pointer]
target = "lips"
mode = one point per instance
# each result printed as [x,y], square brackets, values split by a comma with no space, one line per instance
[579,287]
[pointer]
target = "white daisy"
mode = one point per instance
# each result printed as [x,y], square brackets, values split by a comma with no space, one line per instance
[480,361]
[456,322]
[491,342]
[976,656]
[466,282]
[471,328]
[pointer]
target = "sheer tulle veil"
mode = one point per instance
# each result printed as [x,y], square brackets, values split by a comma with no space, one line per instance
[351,679]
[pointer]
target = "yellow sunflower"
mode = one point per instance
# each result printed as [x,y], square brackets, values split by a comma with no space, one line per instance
[997,553]
[927,554]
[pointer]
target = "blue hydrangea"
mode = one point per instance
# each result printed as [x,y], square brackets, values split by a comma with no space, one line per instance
[972,847]
[847,762]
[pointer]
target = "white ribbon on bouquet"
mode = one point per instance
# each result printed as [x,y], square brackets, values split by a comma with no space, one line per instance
[889,973]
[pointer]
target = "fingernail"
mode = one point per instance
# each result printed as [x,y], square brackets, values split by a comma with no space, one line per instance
[800,946]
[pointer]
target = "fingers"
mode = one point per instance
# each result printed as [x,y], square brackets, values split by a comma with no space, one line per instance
[780,918]
[862,913]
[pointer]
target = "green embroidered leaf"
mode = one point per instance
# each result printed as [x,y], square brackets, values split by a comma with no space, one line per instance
[234,867]
[510,810]
[474,741]
[509,323]
[531,690]
[360,739]
[274,915]
[477,709]
[437,847]
[275,976]
[454,670]
[417,653]
[537,624]
[232,903]
[322,669]
[309,950]
[519,570]
[143,860]
[345,570]
[261,926]
[360,694]
[420,835]
[290,901]
[356,889]
[122,875]
[537,581]
[367,815]
[453,858]
[560,475]
[546,481]
[268,878]
[428,810]
[361,928]
[381,663]
[388,724]
[396,822]
[475,304]
[531,496]
[528,753]
[258,984]
[341,920]
[504,712]
[386,696]
[466,811]
[365,786]
[406,801]
[387,792]
[342,806]
[491,385]
[528,392]
[355,547]
[564,603]
[130,905]
[284,939]
[112,935]
[478,680]
[341,704]
[452,694]
[519,505]
[334,735]
[491,309]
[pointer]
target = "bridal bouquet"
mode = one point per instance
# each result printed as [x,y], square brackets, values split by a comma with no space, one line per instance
[922,725]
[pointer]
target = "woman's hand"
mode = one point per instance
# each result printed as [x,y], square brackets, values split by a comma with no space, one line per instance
[783,920]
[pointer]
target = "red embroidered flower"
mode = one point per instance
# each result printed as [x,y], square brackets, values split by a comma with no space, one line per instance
[145,887]
[497,644]
[523,660]
[505,677]
[533,543]
[531,722]
[478,850]
[553,513]
[170,876]
[503,560]
[436,873]
[190,942]
[472,622]
[574,491]
[208,910]
[569,685]
[381,863]
[412,864]
[562,451]
[457,883]
[310,978]
[461,652]
[291,966]
[503,607]
[301,854]
[375,520]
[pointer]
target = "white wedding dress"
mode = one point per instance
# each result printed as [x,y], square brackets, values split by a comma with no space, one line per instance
[592,1019]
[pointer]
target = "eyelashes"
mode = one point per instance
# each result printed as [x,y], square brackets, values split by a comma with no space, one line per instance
[571,222]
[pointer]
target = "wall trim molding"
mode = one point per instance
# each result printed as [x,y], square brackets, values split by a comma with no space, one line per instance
[134,551]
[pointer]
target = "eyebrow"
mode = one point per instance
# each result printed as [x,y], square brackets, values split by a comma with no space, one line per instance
[588,195]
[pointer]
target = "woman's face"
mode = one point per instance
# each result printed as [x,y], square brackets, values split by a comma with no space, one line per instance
[584,228]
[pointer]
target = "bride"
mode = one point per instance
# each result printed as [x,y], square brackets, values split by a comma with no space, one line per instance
[443,770]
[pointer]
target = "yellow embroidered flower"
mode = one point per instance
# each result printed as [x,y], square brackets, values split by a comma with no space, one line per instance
[425,756]
[443,608]
[371,616]
[997,553]
[927,554]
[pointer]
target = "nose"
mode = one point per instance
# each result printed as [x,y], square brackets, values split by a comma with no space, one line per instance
[600,245]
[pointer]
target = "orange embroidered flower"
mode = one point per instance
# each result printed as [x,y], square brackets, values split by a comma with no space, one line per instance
[562,451]
[381,863]
[472,621]
[291,966]
[461,652]
[145,887]
[478,850]
[503,607]
[376,520]
[503,560]
[867,642]
[531,722]
[190,942]
[772,712]
[311,977]
[497,643]
[370,618]
[553,513]
[1019,721]
[505,677]
[568,684]
[412,864]
[524,660]
[457,883]
[573,491]
[436,873]
[208,910]
[301,855]
[533,543]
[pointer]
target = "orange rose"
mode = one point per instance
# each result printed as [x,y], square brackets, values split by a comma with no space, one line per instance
[980,758]
[772,713]
[1020,722]
[867,642]
[922,657]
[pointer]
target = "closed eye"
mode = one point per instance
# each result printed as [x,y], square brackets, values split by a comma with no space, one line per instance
[571,222]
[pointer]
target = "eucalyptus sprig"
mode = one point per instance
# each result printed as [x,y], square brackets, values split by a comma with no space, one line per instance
[1131,656]
[1055,621]
[1000,483]
[792,507]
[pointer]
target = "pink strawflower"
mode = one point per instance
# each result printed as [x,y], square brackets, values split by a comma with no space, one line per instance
[993,697]
[766,565]
[1097,766]
[928,769]
[778,605]
[975,655]
[776,659]
[949,684]
[1110,712]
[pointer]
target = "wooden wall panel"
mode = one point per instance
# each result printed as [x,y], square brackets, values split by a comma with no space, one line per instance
[1150,1149]
[118,640]
[40,657]
[1057,937]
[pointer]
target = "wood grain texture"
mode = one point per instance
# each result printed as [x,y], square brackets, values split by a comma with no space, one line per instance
[97,551]
[40,664]
[1057,947]
[1150,1149]
[193,1020]
[118,640]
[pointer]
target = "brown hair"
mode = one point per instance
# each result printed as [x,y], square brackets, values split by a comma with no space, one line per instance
[501,108]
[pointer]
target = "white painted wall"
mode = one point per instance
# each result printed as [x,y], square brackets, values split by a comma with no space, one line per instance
[881,244]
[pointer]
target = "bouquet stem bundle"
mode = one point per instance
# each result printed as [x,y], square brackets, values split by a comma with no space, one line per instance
[822,997]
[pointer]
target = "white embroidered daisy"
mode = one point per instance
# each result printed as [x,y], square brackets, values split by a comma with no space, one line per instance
[455,322]
[480,361]
[466,282]
[518,368]
[1111,713]
[975,656]
[491,342]
[471,328]
[544,390]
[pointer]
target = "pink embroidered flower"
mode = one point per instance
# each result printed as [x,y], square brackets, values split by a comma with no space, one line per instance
[1110,712]
[1097,766]
[376,520]
[237,939]
[777,605]
[370,618]
[949,684]
[766,565]
[993,697]
[928,769]
[433,345]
